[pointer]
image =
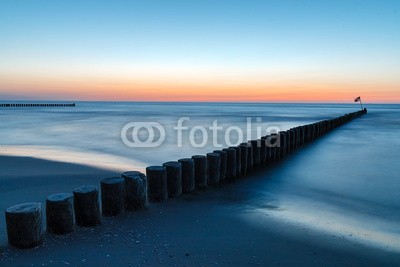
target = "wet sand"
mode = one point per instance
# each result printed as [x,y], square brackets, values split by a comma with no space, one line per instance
[201,229]
[25,179]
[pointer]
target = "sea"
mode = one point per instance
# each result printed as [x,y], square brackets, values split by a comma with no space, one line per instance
[347,182]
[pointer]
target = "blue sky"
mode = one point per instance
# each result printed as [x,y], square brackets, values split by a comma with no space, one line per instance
[293,40]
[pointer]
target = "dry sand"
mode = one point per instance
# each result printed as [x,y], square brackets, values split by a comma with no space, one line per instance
[200,229]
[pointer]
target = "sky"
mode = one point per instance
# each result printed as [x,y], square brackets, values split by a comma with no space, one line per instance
[208,50]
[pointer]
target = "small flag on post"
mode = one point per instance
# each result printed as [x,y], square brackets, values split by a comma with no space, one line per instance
[358,99]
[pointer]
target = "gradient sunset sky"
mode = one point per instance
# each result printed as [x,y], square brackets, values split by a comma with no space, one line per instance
[216,50]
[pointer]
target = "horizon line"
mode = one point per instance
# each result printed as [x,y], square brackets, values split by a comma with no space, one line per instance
[186,101]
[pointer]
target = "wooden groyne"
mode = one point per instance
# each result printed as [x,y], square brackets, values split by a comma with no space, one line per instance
[131,191]
[28,105]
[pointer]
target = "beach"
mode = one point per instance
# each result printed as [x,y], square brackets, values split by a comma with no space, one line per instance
[202,229]
[333,202]
[199,133]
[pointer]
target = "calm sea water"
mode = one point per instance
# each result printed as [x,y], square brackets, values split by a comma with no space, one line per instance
[348,181]
[95,127]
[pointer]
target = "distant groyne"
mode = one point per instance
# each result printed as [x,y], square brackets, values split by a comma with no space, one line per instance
[130,192]
[24,105]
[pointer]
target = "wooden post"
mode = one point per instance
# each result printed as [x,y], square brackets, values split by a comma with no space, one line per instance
[188,184]
[87,206]
[256,152]
[157,183]
[263,146]
[60,213]
[135,190]
[112,196]
[174,178]
[200,171]
[250,164]
[243,159]
[230,164]
[213,168]
[24,225]
[223,164]
[238,160]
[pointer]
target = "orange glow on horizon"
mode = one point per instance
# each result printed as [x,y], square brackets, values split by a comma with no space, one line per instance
[201,91]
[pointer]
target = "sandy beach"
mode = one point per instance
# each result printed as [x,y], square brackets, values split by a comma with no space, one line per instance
[25,179]
[202,229]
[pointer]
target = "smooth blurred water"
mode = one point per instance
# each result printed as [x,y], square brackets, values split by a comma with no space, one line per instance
[347,181]
[95,127]
[345,184]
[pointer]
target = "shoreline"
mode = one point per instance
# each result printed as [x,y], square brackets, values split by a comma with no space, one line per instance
[70,155]
[27,179]
[202,228]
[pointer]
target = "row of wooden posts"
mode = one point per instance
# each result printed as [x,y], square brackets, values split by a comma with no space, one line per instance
[131,191]
[19,105]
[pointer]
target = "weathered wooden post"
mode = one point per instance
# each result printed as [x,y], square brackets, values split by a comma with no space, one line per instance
[60,213]
[272,143]
[188,183]
[256,152]
[297,136]
[230,164]
[157,183]
[87,206]
[200,171]
[243,159]
[222,174]
[301,130]
[293,139]
[283,143]
[174,178]
[319,124]
[263,150]
[322,128]
[249,157]
[294,131]
[213,168]
[24,225]
[135,190]
[311,132]
[238,160]
[289,142]
[268,159]
[112,196]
